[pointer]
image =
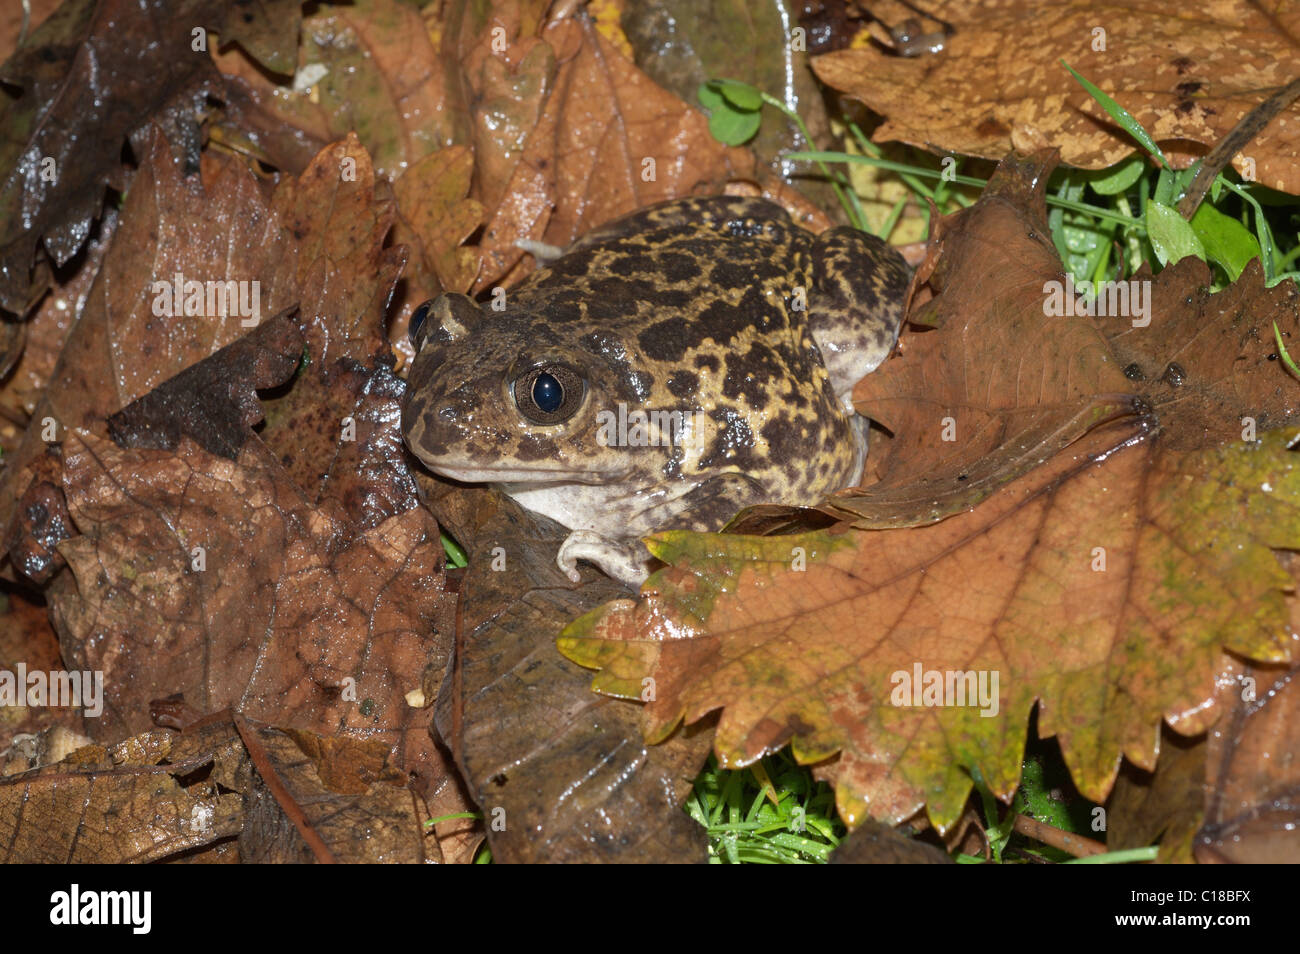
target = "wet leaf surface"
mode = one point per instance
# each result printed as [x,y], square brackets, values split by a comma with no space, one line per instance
[1187,80]
[560,774]
[435,216]
[217,227]
[232,790]
[265,602]
[217,517]
[214,403]
[368,68]
[205,565]
[682,44]
[92,74]
[636,144]
[1252,765]
[965,419]
[328,801]
[141,800]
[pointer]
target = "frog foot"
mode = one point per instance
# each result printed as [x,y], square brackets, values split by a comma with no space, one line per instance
[627,563]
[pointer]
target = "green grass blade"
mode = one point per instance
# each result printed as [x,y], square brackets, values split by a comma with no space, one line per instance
[1121,116]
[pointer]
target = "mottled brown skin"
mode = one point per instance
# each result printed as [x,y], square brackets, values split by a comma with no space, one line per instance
[721,306]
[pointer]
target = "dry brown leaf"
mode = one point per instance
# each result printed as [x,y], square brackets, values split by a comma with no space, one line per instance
[607,141]
[240,791]
[1187,71]
[339,412]
[214,402]
[965,418]
[328,800]
[301,584]
[26,637]
[142,800]
[291,616]
[219,230]
[49,326]
[506,73]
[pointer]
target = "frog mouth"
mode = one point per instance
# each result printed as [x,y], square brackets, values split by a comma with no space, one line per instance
[526,475]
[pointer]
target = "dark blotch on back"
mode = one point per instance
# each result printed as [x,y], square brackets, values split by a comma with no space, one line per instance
[753,375]
[627,266]
[784,440]
[622,289]
[734,435]
[729,275]
[677,267]
[683,384]
[723,322]
[665,340]
[560,304]
[565,268]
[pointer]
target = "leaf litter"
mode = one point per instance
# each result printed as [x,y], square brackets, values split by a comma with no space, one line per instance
[1100,530]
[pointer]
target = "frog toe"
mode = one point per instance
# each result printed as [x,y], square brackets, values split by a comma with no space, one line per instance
[627,563]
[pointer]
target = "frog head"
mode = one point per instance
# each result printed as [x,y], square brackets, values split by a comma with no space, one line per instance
[502,397]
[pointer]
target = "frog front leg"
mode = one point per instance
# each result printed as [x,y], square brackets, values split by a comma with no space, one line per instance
[856,304]
[706,506]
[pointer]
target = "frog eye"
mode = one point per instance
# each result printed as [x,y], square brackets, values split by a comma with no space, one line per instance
[417,322]
[444,319]
[550,394]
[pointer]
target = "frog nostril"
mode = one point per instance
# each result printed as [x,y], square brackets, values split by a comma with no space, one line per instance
[548,393]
